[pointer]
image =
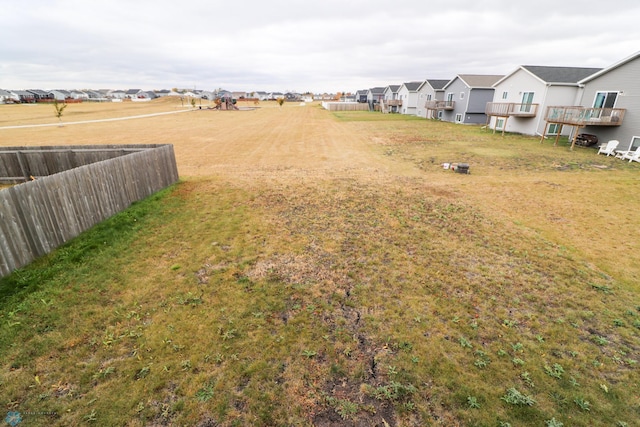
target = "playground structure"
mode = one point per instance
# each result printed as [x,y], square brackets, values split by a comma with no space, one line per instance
[225,102]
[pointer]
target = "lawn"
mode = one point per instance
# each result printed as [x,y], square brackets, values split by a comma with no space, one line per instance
[322,269]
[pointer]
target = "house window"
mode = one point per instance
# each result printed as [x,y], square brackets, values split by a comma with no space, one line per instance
[440,113]
[500,124]
[450,97]
[461,95]
[505,95]
[553,129]
[605,99]
[458,118]
[527,100]
[635,143]
[429,97]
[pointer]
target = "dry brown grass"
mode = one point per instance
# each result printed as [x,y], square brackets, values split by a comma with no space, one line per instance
[320,258]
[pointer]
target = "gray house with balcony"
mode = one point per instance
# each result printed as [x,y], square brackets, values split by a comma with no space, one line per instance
[522,97]
[466,97]
[431,97]
[611,101]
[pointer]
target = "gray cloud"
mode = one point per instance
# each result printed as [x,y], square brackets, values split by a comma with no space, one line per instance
[288,44]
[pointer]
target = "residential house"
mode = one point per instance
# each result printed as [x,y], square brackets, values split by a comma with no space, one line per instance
[132,93]
[374,95]
[5,96]
[466,97]
[40,95]
[361,95]
[522,97]
[610,105]
[77,94]
[117,94]
[60,94]
[408,95]
[24,96]
[389,103]
[162,93]
[429,93]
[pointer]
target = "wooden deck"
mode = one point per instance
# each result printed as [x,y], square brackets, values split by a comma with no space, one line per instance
[582,116]
[440,105]
[511,109]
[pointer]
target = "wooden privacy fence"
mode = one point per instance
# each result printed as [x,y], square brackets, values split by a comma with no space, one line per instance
[75,187]
[345,106]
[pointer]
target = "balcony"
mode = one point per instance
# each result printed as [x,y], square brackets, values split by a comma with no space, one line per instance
[393,102]
[511,109]
[582,116]
[440,105]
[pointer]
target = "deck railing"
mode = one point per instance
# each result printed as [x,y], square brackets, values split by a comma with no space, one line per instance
[506,109]
[582,116]
[440,105]
[393,102]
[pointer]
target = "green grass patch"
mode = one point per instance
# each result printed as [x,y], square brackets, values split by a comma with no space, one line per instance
[410,299]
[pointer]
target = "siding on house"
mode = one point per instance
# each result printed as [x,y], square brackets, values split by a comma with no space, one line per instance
[430,90]
[471,92]
[621,77]
[550,85]
[408,94]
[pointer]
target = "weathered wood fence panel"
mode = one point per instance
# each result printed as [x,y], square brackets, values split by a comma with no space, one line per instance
[40,215]
[345,106]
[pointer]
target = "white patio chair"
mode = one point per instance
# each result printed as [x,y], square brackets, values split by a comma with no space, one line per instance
[609,148]
[632,156]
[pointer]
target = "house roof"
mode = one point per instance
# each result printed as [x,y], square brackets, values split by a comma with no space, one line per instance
[610,68]
[38,92]
[133,91]
[437,83]
[560,74]
[392,88]
[479,81]
[412,86]
[377,90]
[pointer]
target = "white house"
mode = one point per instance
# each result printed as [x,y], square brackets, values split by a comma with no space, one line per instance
[521,97]
[408,94]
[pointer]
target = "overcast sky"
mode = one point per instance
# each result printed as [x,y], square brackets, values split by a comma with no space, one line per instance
[301,45]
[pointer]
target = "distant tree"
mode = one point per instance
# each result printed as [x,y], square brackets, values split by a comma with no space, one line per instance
[59,107]
[280,101]
[193,103]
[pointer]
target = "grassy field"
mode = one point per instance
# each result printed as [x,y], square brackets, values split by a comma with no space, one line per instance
[321,269]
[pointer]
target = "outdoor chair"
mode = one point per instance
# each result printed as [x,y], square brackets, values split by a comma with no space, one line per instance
[609,148]
[632,156]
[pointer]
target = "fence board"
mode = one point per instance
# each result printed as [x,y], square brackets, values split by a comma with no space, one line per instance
[38,216]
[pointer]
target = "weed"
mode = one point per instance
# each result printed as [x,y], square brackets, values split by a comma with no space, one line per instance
[205,393]
[526,377]
[343,407]
[600,340]
[553,423]
[602,288]
[517,361]
[472,402]
[582,404]
[91,417]
[554,371]
[465,342]
[143,372]
[309,354]
[514,397]
[618,322]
